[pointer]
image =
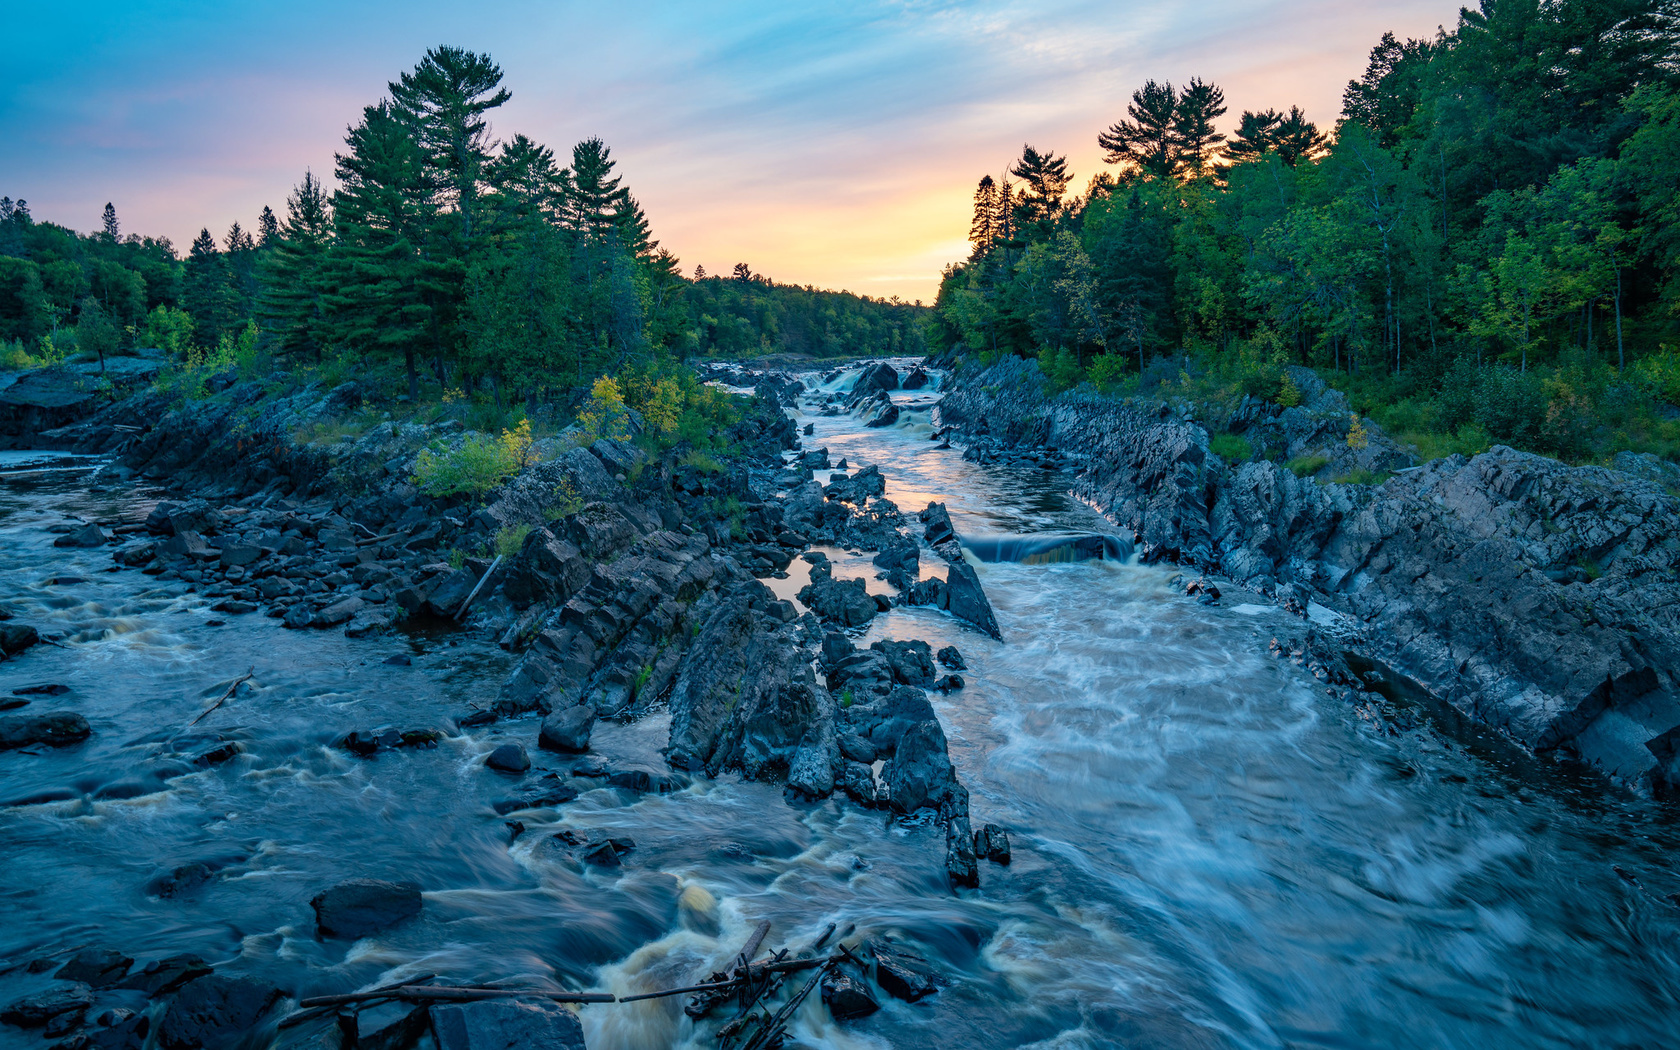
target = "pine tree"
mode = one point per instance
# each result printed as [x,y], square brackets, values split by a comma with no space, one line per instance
[1199,105]
[1046,179]
[293,273]
[1386,97]
[113,232]
[445,100]
[382,295]
[268,228]
[1256,136]
[595,196]
[1147,143]
[699,272]
[1298,138]
[743,273]
[983,231]
[207,292]
[634,230]
[525,175]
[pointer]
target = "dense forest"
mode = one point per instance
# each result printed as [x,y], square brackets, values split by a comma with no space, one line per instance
[475,266]
[1486,246]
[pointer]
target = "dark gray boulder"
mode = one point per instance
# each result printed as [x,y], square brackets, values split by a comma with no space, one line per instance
[391,1025]
[919,774]
[86,536]
[506,1024]
[95,967]
[966,599]
[904,557]
[846,997]
[911,662]
[33,1011]
[937,528]
[902,973]
[55,729]
[358,907]
[568,731]
[215,1012]
[509,758]
[951,657]
[915,380]
[845,602]
[15,638]
[992,842]
[547,569]
[877,376]
[165,975]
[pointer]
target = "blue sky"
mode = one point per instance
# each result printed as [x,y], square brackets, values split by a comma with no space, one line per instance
[834,144]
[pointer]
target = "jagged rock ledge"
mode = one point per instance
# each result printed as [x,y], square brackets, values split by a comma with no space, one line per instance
[1537,598]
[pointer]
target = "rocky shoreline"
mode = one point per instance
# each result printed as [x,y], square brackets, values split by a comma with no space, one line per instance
[1539,599]
[638,583]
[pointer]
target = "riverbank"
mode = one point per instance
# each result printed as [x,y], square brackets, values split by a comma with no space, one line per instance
[1535,598]
[624,584]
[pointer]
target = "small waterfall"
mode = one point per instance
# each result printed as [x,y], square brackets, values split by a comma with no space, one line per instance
[1049,548]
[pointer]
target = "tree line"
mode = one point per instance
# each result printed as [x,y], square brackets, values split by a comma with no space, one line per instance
[481,265]
[1495,208]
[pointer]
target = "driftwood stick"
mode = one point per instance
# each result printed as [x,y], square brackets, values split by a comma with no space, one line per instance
[770,1034]
[237,682]
[753,943]
[310,1014]
[482,580]
[460,995]
[715,985]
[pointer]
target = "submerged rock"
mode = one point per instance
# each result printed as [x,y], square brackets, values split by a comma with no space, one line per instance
[847,997]
[506,1024]
[215,1011]
[86,536]
[992,842]
[33,1011]
[568,731]
[359,907]
[55,729]
[509,758]
[95,967]
[15,638]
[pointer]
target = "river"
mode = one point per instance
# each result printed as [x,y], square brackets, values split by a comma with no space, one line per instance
[1209,850]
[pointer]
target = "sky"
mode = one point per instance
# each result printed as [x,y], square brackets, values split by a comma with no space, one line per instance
[833,144]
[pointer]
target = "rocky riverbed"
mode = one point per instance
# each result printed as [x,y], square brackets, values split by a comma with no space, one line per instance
[991,780]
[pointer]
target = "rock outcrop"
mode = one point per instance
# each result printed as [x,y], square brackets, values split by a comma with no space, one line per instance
[1538,598]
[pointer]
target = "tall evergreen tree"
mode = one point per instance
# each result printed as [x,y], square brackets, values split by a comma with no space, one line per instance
[1199,105]
[1257,134]
[293,273]
[1297,138]
[1147,143]
[207,292]
[112,231]
[382,297]
[1044,177]
[445,100]
[1386,97]
[983,229]
[595,196]
[268,227]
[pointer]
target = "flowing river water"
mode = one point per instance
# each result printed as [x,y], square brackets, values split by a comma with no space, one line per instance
[1209,851]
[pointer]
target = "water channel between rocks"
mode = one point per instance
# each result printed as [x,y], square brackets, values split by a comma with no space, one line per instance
[1209,851]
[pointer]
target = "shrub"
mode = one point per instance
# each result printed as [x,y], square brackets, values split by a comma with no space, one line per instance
[509,539]
[702,462]
[170,330]
[604,414]
[1511,405]
[1106,370]
[1361,476]
[1289,395]
[1306,466]
[477,466]
[1357,436]
[1233,447]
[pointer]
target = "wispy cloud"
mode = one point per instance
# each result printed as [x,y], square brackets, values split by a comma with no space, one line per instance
[826,143]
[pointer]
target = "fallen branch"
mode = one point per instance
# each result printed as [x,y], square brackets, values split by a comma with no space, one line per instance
[237,682]
[457,995]
[321,1011]
[482,580]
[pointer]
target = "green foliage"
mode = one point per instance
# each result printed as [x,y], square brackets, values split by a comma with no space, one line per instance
[170,330]
[1306,466]
[702,462]
[604,415]
[1361,476]
[475,466]
[457,558]
[509,539]
[1233,447]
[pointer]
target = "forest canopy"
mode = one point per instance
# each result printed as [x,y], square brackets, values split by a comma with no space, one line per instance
[1483,248]
[493,268]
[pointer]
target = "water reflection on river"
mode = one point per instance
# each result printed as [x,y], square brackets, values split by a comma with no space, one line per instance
[1208,850]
